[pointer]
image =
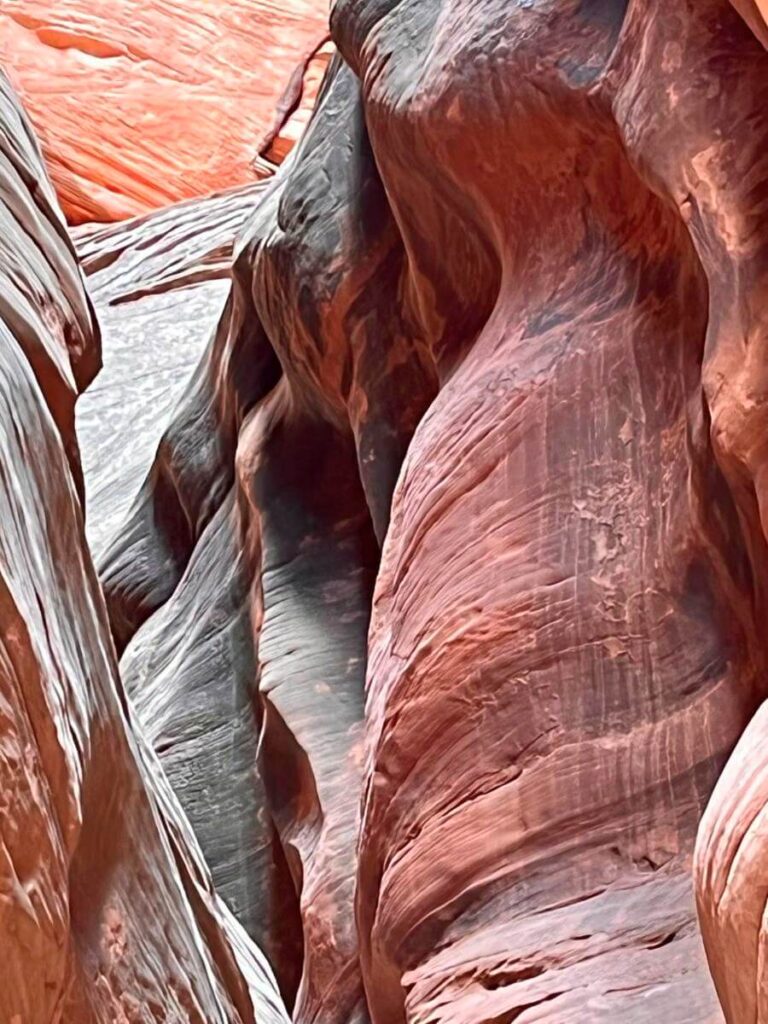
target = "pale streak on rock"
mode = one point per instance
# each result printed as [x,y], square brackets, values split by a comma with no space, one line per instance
[107,910]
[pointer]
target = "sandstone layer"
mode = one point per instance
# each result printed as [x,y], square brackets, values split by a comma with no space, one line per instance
[107,910]
[157,287]
[159,284]
[490,370]
[142,104]
[440,603]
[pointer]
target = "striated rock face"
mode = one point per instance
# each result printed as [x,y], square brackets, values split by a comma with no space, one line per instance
[587,654]
[440,602]
[191,673]
[105,85]
[159,286]
[107,908]
[491,369]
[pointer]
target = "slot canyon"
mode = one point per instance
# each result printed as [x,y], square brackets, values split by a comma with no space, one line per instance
[383,512]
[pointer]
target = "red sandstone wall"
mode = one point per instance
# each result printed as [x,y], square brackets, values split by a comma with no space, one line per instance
[139,104]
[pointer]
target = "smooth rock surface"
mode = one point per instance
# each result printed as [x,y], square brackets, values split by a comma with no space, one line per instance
[442,600]
[513,277]
[107,910]
[565,597]
[756,14]
[104,84]
[159,284]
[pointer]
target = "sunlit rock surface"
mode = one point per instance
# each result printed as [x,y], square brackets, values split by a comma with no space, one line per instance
[107,910]
[139,104]
[159,284]
[756,14]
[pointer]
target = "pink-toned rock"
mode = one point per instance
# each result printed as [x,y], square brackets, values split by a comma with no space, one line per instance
[141,104]
[732,855]
[561,653]
[107,909]
[490,375]
[756,14]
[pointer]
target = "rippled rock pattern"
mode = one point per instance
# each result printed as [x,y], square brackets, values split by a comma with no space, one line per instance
[490,374]
[159,284]
[441,602]
[107,910]
[105,84]
[158,288]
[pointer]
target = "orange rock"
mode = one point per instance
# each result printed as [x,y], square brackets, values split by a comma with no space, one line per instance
[755,13]
[106,85]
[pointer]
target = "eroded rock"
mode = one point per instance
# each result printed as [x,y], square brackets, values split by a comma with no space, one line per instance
[490,375]
[108,911]
[105,84]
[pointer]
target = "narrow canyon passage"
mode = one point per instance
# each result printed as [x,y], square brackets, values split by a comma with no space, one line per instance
[381,642]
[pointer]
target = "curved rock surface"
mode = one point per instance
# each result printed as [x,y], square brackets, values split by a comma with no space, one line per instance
[159,284]
[107,909]
[756,14]
[522,243]
[157,287]
[441,601]
[608,655]
[104,83]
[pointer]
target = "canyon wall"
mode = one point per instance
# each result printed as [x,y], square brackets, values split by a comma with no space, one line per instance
[108,912]
[141,104]
[432,540]
[500,320]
